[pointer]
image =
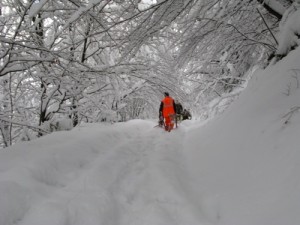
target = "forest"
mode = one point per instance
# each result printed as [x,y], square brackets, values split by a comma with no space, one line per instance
[66,62]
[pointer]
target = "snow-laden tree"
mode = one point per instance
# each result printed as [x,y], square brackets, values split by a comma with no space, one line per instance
[289,36]
[103,60]
[219,42]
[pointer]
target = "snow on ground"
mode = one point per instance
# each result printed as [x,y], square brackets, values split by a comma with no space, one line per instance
[241,168]
[127,173]
[246,162]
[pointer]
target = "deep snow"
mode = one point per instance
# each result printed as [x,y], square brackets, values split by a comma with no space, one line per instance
[241,168]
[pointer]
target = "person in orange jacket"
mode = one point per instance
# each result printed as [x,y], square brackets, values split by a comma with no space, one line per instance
[167,109]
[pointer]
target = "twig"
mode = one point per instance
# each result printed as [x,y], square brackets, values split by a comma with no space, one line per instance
[267,26]
[26,125]
[289,115]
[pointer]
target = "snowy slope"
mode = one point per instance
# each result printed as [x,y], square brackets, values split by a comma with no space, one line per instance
[246,163]
[239,169]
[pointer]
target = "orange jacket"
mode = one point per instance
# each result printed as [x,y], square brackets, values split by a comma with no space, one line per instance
[167,106]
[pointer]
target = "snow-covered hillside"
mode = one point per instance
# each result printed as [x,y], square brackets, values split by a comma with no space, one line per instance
[241,168]
[246,163]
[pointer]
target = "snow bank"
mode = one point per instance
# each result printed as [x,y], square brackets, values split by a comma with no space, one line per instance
[246,162]
[14,202]
[33,174]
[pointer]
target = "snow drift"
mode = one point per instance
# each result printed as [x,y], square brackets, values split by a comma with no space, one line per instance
[246,162]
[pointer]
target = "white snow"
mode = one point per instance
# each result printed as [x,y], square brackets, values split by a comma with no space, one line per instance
[241,168]
[36,7]
[289,29]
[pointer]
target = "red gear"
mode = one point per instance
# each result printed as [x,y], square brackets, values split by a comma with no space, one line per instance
[168,112]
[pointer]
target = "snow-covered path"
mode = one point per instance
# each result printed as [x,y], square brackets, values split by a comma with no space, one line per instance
[127,173]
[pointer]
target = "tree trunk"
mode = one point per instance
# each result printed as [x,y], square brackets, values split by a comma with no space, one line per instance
[74,112]
[4,125]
